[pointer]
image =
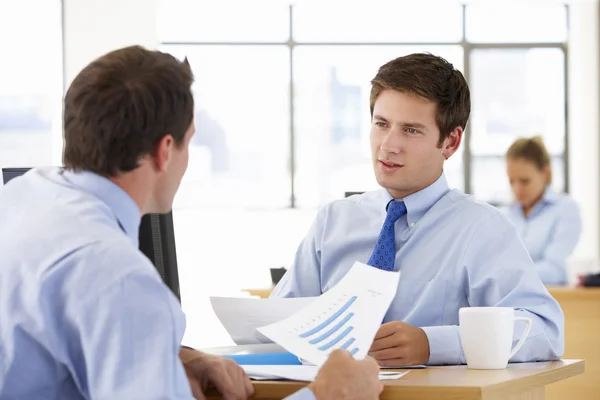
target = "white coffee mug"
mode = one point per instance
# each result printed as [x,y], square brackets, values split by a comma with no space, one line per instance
[487,334]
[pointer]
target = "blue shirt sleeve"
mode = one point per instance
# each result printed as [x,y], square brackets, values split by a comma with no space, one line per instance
[499,272]
[565,236]
[304,394]
[125,336]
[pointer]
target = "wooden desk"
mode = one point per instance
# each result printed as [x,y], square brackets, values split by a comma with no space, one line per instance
[517,382]
[581,307]
[262,293]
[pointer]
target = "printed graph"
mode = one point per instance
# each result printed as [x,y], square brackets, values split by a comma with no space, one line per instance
[346,316]
[335,329]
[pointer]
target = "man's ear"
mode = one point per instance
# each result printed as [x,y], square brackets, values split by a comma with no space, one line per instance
[452,142]
[163,152]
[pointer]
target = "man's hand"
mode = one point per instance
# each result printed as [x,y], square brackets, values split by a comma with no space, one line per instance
[204,370]
[344,378]
[397,343]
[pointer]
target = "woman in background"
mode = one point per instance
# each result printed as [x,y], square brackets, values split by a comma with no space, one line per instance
[549,223]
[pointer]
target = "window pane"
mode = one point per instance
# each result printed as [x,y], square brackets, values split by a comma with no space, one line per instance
[240,153]
[491,183]
[332,120]
[386,22]
[516,22]
[515,93]
[223,21]
[30,92]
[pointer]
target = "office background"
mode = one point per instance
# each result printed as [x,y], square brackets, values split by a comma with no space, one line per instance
[282,109]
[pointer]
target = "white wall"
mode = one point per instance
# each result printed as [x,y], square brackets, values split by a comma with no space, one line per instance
[583,110]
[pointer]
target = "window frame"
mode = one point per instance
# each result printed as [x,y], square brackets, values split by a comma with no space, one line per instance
[467,47]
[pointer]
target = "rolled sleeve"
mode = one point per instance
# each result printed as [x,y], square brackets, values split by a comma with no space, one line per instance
[444,345]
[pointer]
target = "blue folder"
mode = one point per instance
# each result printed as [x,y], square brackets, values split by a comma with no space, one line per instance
[282,358]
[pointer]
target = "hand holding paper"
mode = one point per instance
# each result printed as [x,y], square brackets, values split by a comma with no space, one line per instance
[346,317]
[398,343]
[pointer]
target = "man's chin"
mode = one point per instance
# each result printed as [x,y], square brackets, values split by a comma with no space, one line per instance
[390,183]
[389,179]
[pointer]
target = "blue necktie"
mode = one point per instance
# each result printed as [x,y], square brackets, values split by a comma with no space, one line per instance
[384,255]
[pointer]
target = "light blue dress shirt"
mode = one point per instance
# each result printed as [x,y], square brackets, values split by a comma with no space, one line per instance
[83,313]
[452,252]
[550,233]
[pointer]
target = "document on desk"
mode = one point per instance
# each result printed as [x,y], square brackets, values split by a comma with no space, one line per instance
[346,317]
[306,373]
[241,316]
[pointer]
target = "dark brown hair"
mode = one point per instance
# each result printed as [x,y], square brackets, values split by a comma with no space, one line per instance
[121,105]
[431,78]
[530,149]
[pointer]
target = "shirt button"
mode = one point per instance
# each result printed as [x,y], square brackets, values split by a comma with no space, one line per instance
[412,224]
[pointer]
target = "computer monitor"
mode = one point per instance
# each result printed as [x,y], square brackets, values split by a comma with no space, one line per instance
[11,173]
[156,239]
[157,242]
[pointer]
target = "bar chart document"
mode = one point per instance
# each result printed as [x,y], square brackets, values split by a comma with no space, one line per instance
[346,317]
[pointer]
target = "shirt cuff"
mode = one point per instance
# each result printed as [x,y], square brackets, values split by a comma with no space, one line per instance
[444,345]
[304,394]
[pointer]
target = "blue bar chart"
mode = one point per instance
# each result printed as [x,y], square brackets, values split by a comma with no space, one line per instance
[345,317]
[335,331]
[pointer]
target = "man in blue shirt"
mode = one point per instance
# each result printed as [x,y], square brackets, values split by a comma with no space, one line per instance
[83,313]
[452,251]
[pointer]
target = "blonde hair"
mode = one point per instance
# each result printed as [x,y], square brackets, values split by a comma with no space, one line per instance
[532,150]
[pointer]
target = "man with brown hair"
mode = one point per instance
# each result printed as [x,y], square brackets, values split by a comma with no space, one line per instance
[83,313]
[451,250]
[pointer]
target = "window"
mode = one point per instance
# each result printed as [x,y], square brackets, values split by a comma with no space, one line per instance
[222,22]
[377,22]
[516,92]
[283,120]
[516,22]
[240,154]
[30,84]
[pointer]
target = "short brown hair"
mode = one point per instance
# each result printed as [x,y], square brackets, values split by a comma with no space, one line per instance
[120,106]
[530,149]
[431,78]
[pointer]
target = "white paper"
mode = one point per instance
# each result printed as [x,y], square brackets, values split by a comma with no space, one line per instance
[306,373]
[241,316]
[347,316]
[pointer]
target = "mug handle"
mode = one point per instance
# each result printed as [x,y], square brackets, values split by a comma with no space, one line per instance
[525,334]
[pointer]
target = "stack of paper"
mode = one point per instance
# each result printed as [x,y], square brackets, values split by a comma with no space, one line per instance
[346,317]
[241,317]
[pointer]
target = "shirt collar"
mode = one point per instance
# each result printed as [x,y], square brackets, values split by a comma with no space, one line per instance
[118,201]
[418,203]
[549,196]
